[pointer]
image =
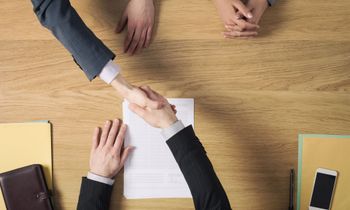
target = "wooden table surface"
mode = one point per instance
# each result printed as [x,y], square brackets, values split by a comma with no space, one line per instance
[252,97]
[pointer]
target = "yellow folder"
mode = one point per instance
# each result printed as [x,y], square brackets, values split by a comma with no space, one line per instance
[24,144]
[329,152]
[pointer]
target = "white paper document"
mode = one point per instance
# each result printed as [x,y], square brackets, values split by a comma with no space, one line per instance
[151,170]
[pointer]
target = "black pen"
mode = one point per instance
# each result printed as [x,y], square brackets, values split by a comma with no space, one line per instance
[291,190]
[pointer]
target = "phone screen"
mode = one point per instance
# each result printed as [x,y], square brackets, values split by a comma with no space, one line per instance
[323,190]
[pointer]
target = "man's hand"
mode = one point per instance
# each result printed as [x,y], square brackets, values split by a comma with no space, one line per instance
[107,153]
[257,8]
[139,16]
[139,97]
[159,118]
[133,94]
[235,15]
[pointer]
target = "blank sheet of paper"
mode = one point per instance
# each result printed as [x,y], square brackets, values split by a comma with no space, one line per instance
[151,170]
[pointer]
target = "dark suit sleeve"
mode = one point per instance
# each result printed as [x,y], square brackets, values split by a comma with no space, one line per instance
[206,189]
[94,195]
[63,21]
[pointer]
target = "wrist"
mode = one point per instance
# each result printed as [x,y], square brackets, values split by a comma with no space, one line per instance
[101,179]
[121,85]
[101,174]
[169,122]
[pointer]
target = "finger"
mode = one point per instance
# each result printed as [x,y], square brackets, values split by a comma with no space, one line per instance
[120,139]
[141,42]
[239,15]
[137,110]
[154,104]
[154,100]
[125,155]
[243,9]
[235,34]
[122,23]
[257,11]
[245,25]
[257,16]
[233,28]
[253,20]
[113,133]
[150,93]
[128,38]
[135,41]
[95,138]
[149,36]
[174,109]
[105,132]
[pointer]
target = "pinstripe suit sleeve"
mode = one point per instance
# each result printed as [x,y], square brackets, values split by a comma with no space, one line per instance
[205,186]
[94,195]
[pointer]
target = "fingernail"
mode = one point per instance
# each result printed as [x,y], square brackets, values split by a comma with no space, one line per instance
[249,15]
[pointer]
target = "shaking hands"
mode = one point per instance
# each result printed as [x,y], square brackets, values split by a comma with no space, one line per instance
[241,20]
[159,118]
[147,103]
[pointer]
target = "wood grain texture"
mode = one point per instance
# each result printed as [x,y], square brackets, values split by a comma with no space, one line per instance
[252,97]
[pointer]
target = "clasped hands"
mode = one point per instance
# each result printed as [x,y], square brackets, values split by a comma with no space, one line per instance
[241,20]
[107,153]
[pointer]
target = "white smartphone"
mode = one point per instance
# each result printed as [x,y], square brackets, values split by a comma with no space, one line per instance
[323,190]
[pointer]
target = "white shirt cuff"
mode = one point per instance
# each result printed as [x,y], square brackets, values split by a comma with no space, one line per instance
[170,131]
[101,179]
[109,72]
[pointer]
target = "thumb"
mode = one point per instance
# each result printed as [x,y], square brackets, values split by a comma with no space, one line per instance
[153,104]
[122,23]
[137,110]
[125,155]
[148,91]
[154,99]
[243,9]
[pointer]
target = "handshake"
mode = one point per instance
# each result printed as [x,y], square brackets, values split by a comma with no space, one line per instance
[145,102]
[152,107]
[241,20]
[107,154]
